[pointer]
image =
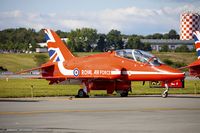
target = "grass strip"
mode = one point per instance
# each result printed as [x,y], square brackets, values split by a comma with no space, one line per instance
[14,88]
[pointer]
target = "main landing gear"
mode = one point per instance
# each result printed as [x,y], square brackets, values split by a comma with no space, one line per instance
[124,94]
[165,92]
[82,94]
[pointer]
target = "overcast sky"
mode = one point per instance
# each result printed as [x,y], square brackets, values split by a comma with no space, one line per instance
[129,16]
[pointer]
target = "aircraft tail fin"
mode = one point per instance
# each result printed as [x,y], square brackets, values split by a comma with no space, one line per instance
[56,48]
[196,36]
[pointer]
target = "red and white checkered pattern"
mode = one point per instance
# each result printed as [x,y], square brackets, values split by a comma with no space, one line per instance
[190,22]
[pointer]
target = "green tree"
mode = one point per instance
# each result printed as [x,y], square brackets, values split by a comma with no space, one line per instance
[182,48]
[18,40]
[62,34]
[83,39]
[40,36]
[173,34]
[149,37]
[89,38]
[166,36]
[114,40]
[147,47]
[101,43]
[134,43]
[164,48]
[40,59]
[157,36]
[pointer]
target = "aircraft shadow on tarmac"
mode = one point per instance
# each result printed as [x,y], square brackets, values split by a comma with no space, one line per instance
[184,96]
[148,96]
[172,96]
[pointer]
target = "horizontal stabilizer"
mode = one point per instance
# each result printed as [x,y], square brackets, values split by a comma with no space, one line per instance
[36,68]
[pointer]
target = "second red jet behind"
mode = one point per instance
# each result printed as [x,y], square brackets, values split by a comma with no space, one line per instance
[194,67]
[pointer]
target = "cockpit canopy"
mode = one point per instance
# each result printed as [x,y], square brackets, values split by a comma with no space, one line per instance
[139,55]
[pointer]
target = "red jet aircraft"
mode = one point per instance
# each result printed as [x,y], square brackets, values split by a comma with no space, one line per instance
[194,68]
[111,71]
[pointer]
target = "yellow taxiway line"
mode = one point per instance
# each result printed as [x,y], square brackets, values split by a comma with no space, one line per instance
[96,111]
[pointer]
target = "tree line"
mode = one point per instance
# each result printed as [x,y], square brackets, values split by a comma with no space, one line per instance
[79,40]
[20,40]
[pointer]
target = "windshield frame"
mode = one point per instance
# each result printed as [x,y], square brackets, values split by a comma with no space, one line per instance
[142,57]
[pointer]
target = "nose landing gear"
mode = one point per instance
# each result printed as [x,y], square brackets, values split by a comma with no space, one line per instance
[165,93]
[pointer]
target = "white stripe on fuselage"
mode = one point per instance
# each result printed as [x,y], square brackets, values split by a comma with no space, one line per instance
[63,70]
[148,73]
[69,72]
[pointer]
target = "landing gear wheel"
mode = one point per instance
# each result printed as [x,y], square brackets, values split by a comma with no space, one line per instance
[124,94]
[82,94]
[164,94]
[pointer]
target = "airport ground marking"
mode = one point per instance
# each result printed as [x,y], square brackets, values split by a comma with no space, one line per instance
[98,111]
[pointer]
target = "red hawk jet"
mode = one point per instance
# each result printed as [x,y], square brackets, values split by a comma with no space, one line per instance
[110,71]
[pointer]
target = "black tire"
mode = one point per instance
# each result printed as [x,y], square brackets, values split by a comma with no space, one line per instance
[124,94]
[82,94]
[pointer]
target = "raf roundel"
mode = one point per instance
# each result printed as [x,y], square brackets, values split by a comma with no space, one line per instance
[76,72]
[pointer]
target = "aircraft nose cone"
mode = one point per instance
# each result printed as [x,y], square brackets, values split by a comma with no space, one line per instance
[171,73]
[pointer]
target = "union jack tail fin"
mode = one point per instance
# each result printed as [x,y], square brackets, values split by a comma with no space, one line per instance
[56,48]
[196,36]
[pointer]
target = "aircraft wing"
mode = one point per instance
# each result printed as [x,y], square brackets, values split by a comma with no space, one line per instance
[194,64]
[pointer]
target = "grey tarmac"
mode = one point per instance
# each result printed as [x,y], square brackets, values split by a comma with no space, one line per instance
[141,114]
